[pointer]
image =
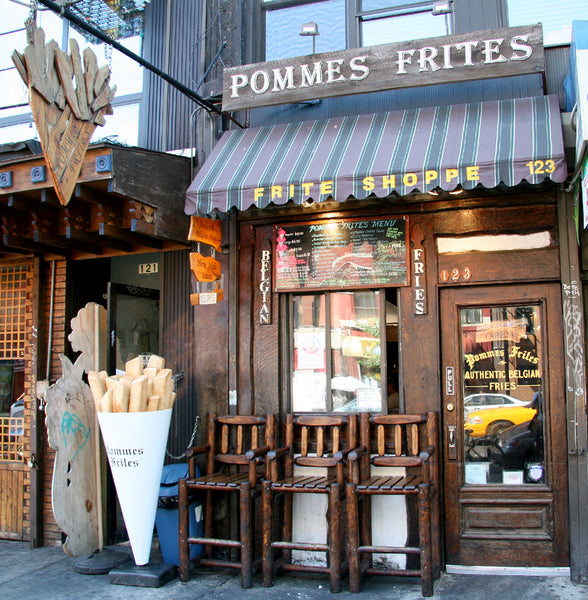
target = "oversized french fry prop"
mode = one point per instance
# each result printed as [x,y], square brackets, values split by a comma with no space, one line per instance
[138,398]
[140,389]
[134,412]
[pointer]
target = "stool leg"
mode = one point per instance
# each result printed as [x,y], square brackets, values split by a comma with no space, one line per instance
[425,539]
[267,530]
[353,538]
[245,534]
[334,528]
[183,527]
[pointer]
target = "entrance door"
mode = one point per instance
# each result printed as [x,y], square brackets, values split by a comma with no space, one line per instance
[504,426]
[133,323]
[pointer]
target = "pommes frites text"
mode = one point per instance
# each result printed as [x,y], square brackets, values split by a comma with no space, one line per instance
[140,389]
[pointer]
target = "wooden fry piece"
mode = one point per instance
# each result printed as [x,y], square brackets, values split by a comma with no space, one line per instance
[153,403]
[96,387]
[151,372]
[138,398]
[162,387]
[110,382]
[120,397]
[134,367]
[106,404]
[156,362]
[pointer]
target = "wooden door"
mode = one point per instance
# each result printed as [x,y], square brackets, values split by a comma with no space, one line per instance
[12,478]
[504,428]
[133,323]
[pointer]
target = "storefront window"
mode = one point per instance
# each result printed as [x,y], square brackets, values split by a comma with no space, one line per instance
[337,352]
[502,391]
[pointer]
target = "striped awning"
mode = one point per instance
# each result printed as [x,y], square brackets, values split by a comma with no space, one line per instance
[424,149]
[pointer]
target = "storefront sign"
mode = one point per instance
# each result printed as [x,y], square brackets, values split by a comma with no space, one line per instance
[363,253]
[265,288]
[419,281]
[478,55]
[205,231]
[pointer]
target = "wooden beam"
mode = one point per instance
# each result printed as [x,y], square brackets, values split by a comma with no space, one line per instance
[55,241]
[89,238]
[129,236]
[90,194]
[14,242]
[24,204]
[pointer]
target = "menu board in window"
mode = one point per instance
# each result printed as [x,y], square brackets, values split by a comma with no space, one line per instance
[357,253]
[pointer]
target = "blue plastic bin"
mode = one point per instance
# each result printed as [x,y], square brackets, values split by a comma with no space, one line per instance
[166,517]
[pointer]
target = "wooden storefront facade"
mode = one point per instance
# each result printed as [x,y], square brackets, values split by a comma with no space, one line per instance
[489,304]
[489,315]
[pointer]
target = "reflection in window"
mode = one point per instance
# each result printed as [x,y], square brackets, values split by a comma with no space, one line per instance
[399,23]
[283,26]
[556,17]
[503,396]
[337,368]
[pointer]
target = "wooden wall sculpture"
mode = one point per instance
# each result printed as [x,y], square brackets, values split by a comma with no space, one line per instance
[66,115]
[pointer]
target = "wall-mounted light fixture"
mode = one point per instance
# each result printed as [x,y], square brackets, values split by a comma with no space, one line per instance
[312,30]
[442,7]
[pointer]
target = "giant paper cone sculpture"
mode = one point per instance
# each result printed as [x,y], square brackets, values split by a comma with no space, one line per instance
[135,446]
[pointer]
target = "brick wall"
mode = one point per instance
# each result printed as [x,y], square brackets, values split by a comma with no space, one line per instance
[54,282]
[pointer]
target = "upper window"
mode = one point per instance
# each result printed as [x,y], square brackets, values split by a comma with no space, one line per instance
[344,24]
[556,17]
[386,21]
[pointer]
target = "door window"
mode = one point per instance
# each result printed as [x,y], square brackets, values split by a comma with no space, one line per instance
[337,351]
[502,390]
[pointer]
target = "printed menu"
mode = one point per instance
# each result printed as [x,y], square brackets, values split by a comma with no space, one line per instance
[357,253]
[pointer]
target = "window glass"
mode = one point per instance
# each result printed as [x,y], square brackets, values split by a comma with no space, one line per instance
[556,17]
[397,28]
[351,379]
[502,375]
[127,75]
[283,27]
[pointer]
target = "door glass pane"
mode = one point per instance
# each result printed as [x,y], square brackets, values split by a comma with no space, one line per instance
[133,324]
[502,369]
[309,390]
[356,355]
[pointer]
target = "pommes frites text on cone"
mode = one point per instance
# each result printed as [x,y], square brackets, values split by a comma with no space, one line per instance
[140,389]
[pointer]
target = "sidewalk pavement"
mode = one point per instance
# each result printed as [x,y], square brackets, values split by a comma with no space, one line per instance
[47,574]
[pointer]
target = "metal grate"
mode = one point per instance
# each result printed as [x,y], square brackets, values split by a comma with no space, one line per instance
[117,18]
[11,438]
[13,288]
